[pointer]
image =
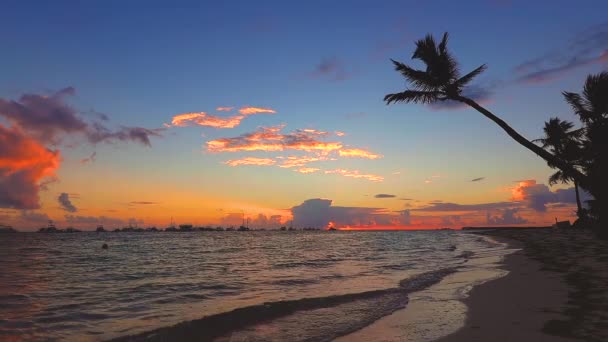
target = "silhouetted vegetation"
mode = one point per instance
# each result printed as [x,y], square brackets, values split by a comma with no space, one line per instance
[565,143]
[442,81]
[580,155]
[591,107]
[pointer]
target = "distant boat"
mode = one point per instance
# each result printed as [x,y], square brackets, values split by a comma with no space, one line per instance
[171,227]
[562,224]
[243,229]
[50,228]
[185,228]
[100,229]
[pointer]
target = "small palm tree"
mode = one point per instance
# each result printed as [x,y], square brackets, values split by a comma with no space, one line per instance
[565,144]
[442,81]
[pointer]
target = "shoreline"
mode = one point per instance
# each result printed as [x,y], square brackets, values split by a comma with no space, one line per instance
[514,307]
[556,290]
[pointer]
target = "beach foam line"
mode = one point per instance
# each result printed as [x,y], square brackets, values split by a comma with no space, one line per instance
[319,318]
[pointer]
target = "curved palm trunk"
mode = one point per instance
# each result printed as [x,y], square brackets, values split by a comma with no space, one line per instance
[577,175]
[579,207]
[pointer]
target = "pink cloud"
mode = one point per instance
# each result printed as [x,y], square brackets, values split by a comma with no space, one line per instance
[358,153]
[224,109]
[204,119]
[355,174]
[256,110]
[270,139]
[294,161]
[208,120]
[251,161]
[307,169]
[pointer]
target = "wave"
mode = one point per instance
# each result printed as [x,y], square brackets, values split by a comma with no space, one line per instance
[318,318]
[466,255]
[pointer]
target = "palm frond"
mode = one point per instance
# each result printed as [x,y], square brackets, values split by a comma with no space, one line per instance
[466,79]
[450,64]
[418,79]
[595,93]
[443,44]
[426,50]
[578,105]
[557,177]
[414,96]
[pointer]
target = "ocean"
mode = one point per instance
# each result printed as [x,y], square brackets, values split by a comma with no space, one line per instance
[236,286]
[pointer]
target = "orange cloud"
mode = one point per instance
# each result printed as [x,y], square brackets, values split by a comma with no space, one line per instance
[256,110]
[270,139]
[358,153]
[24,162]
[224,109]
[204,119]
[250,161]
[519,191]
[314,131]
[293,161]
[307,169]
[340,133]
[356,174]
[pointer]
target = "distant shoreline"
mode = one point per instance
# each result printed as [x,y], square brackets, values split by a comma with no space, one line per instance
[206,229]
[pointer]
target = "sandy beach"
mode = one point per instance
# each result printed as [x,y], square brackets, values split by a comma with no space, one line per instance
[556,289]
[515,307]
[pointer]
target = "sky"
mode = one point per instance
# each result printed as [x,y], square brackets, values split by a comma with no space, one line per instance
[143,112]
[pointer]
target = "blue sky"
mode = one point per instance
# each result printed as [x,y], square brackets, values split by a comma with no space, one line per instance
[319,64]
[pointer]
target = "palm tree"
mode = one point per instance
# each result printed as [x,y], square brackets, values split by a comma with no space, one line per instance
[565,144]
[442,81]
[592,108]
[592,105]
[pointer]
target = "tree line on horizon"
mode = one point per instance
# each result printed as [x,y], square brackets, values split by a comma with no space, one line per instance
[579,155]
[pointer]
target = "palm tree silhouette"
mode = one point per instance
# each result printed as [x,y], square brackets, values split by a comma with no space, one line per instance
[442,81]
[592,108]
[565,144]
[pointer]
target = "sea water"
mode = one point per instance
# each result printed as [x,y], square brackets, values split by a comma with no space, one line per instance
[255,285]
